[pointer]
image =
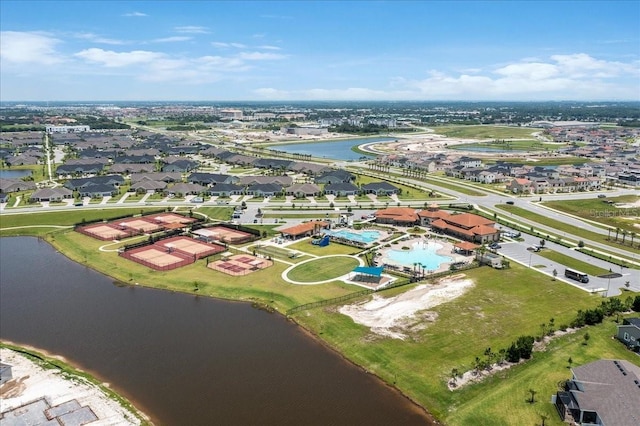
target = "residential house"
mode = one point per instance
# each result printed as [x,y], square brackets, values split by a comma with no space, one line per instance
[264,189]
[181,166]
[21,160]
[310,169]
[470,162]
[14,185]
[127,169]
[225,189]
[51,194]
[162,176]
[98,191]
[79,169]
[148,186]
[379,188]
[303,190]
[272,163]
[629,333]
[341,189]
[112,180]
[182,189]
[603,392]
[520,186]
[211,179]
[335,176]
[278,180]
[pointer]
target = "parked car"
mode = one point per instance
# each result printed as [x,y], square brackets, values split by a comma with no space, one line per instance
[495,246]
[602,196]
[510,203]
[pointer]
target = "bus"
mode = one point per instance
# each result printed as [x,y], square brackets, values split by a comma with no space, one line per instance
[576,275]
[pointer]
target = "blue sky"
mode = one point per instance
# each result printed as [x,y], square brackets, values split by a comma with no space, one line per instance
[312,50]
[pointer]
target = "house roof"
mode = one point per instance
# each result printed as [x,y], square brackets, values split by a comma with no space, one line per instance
[379,186]
[610,389]
[303,228]
[399,214]
[468,220]
[633,321]
[465,245]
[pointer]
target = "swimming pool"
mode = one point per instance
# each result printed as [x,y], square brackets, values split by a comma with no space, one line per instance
[422,253]
[364,237]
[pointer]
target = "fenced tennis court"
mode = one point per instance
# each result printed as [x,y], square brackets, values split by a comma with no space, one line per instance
[106,232]
[157,258]
[189,246]
[164,218]
[224,234]
[239,264]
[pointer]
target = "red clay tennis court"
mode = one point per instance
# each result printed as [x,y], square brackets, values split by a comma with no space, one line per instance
[189,246]
[224,234]
[240,264]
[105,231]
[157,258]
[166,218]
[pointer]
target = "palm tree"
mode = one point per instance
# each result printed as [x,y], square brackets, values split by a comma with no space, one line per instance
[617,232]
[624,236]
[632,235]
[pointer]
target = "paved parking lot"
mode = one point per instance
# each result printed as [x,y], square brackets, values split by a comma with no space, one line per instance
[517,251]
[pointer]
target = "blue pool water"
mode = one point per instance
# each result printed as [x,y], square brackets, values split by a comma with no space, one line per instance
[422,253]
[366,237]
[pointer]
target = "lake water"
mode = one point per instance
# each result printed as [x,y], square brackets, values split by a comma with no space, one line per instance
[338,150]
[182,359]
[13,174]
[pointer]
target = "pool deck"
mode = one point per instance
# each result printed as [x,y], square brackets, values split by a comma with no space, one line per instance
[446,250]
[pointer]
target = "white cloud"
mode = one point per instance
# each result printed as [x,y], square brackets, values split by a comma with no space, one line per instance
[225,45]
[191,29]
[173,39]
[111,59]
[268,47]
[28,47]
[98,39]
[135,14]
[260,56]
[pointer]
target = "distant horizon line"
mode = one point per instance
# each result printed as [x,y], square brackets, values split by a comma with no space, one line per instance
[319,101]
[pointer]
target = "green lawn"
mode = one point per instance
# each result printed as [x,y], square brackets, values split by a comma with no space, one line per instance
[502,306]
[332,249]
[60,218]
[264,286]
[323,269]
[508,146]
[572,263]
[444,183]
[598,210]
[485,132]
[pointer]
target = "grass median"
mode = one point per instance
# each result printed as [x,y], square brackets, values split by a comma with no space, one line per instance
[572,263]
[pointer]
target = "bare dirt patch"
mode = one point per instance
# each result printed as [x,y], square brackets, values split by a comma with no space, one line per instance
[396,316]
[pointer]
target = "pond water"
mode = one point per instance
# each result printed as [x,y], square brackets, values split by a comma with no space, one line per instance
[183,359]
[337,150]
[14,174]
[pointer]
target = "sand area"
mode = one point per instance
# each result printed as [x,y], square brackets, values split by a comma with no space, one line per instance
[396,316]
